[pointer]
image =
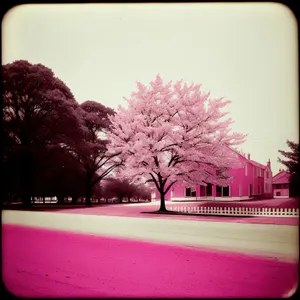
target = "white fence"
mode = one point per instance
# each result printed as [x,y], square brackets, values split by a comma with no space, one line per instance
[239,211]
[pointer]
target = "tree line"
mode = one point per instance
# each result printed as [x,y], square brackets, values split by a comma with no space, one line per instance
[52,145]
[170,134]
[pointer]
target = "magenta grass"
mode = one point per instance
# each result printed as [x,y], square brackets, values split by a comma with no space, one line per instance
[48,263]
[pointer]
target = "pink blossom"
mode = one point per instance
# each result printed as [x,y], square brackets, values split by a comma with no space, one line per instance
[174,132]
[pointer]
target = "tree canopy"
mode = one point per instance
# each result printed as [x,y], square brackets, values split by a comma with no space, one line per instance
[91,151]
[39,113]
[174,133]
[292,162]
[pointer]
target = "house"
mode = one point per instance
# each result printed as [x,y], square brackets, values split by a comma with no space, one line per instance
[281,184]
[252,181]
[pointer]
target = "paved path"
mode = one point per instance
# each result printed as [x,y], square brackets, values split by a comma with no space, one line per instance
[44,263]
[280,241]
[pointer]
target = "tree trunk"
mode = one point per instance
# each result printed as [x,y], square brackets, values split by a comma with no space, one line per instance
[26,171]
[60,199]
[88,195]
[44,200]
[74,200]
[162,202]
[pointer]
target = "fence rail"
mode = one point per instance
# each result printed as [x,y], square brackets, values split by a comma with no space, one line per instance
[239,211]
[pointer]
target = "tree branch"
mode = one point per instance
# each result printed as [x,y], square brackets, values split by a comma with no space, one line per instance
[170,186]
[155,181]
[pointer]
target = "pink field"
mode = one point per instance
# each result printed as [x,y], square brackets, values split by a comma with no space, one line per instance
[47,263]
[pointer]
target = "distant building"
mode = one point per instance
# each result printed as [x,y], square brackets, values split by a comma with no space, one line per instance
[252,181]
[281,184]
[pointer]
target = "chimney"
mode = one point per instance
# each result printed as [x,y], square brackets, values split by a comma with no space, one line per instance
[248,156]
[269,163]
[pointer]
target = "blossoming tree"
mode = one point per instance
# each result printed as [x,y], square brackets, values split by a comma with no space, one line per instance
[174,133]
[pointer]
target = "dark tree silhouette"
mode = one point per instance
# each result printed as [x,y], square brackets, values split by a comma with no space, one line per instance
[292,163]
[39,110]
[98,192]
[59,174]
[124,190]
[121,189]
[142,192]
[91,150]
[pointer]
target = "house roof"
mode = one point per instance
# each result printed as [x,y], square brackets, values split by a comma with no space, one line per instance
[281,178]
[256,164]
[237,152]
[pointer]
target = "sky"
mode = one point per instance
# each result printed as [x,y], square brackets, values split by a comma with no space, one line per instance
[246,52]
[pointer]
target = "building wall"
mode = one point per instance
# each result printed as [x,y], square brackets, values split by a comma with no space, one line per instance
[241,180]
[239,189]
[284,193]
[268,189]
[281,190]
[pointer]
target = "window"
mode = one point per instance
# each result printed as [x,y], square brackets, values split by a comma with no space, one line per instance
[222,191]
[188,192]
[225,191]
[258,190]
[278,193]
[246,170]
[219,191]
[267,174]
[209,189]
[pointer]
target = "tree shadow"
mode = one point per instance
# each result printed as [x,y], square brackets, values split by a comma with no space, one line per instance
[195,215]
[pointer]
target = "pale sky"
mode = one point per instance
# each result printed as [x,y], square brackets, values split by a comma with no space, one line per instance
[245,52]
